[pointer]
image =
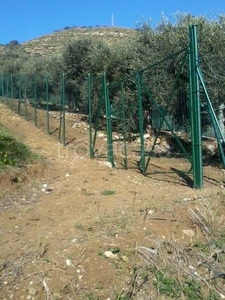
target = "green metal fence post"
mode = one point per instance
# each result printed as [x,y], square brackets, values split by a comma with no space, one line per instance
[25,96]
[7,89]
[91,151]
[35,99]
[108,123]
[47,102]
[124,126]
[190,78]
[2,85]
[63,110]
[19,100]
[11,91]
[195,111]
[141,124]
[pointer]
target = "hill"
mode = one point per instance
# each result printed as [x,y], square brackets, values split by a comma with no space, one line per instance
[55,42]
[2,49]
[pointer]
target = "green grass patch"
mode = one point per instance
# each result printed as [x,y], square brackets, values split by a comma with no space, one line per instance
[107,192]
[13,152]
[167,285]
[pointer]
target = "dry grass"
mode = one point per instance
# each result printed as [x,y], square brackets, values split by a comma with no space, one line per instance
[182,271]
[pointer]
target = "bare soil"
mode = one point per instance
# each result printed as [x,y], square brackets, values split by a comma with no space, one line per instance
[61,213]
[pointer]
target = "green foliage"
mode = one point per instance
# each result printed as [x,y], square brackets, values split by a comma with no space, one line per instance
[4,159]
[79,226]
[167,285]
[77,63]
[192,290]
[213,296]
[12,152]
[107,192]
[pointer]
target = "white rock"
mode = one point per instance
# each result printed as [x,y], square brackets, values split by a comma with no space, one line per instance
[125,258]
[211,148]
[146,136]
[138,140]
[187,199]
[105,163]
[67,175]
[68,262]
[189,232]
[109,254]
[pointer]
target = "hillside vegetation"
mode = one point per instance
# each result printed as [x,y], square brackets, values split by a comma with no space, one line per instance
[119,52]
[49,44]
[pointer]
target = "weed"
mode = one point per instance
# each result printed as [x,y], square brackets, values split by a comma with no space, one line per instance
[98,286]
[114,250]
[122,297]
[144,276]
[204,218]
[220,243]
[112,233]
[192,290]
[167,285]
[204,248]
[213,296]
[107,193]
[92,297]
[123,222]
[79,226]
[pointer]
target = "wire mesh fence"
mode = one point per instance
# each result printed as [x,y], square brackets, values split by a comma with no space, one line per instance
[151,120]
[27,95]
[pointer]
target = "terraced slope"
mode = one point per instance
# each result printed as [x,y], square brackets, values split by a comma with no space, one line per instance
[52,43]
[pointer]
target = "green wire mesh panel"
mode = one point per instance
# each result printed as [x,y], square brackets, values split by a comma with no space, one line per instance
[147,117]
[38,98]
[95,94]
[122,98]
[165,98]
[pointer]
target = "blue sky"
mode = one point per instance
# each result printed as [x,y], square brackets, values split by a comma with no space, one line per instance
[24,20]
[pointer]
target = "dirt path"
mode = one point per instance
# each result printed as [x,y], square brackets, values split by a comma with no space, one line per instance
[52,241]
